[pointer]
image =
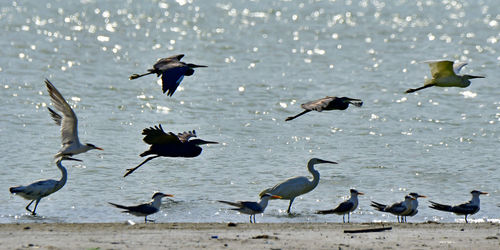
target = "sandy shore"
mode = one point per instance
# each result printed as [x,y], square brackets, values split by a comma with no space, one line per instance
[246,236]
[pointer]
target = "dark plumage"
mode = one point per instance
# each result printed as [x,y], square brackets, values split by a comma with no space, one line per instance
[169,145]
[144,209]
[465,209]
[172,71]
[327,103]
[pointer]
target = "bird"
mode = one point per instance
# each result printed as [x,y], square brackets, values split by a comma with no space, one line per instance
[251,207]
[172,71]
[345,207]
[327,103]
[169,145]
[42,188]
[465,209]
[414,204]
[145,209]
[296,186]
[399,209]
[69,125]
[445,74]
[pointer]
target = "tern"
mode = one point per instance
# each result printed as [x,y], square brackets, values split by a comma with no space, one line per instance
[465,209]
[296,186]
[145,209]
[69,125]
[42,188]
[399,209]
[445,74]
[327,103]
[251,207]
[414,204]
[172,71]
[169,145]
[345,207]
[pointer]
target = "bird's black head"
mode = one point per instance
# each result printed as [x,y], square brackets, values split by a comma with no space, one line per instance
[160,194]
[476,192]
[415,195]
[355,192]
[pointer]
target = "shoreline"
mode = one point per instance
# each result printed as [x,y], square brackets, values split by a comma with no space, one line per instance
[248,236]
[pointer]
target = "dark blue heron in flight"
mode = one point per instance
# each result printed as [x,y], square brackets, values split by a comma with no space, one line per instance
[169,145]
[327,103]
[172,71]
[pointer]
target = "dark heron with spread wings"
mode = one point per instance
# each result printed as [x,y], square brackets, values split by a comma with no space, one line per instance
[169,145]
[172,71]
[327,103]
[467,208]
[145,209]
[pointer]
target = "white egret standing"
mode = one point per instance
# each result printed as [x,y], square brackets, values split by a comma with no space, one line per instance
[251,207]
[69,124]
[296,186]
[399,209]
[444,74]
[345,207]
[144,209]
[42,188]
[467,208]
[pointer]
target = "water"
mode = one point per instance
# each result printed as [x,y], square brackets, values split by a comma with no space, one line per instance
[265,58]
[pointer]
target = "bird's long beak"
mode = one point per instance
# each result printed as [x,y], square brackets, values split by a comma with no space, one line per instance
[168,195]
[421,196]
[276,197]
[209,142]
[472,77]
[196,66]
[98,148]
[361,193]
[324,161]
[483,193]
[71,159]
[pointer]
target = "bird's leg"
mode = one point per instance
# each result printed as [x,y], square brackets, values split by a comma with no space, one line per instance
[250,219]
[466,219]
[349,217]
[28,207]
[417,89]
[398,218]
[290,205]
[135,76]
[254,219]
[36,205]
[131,170]
[293,117]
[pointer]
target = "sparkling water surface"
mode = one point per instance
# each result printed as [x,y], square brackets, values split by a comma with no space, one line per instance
[265,58]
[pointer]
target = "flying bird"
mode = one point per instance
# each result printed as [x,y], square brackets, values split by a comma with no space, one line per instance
[467,208]
[445,74]
[145,209]
[69,124]
[42,188]
[251,207]
[169,145]
[399,209]
[345,207]
[414,204]
[296,186]
[172,71]
[327,103]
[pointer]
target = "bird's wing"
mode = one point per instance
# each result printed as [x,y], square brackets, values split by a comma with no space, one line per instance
[441,68]
[458,66]
[291,188]
[343,207]
[143,208]
[69,128]
[252,205]
[236,204]
[55,116]
[40,187]
[185,136]
[156,135]
[465,208]
[172,76]
[319,104]
[162,63]
[398,207]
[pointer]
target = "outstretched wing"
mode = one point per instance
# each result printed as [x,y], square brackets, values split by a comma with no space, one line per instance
[172,76]
[162,63]
[441,68]
[156,135]
[69,122]
[319,104]
[458,66]
[185,136]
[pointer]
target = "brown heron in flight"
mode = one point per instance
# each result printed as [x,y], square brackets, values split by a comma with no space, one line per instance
[172,71]
[169,145]
[327,103]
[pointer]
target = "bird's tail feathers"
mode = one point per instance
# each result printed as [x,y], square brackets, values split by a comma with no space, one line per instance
[441,207]
[378,206]
[118,205]
[230,203]
[330,211]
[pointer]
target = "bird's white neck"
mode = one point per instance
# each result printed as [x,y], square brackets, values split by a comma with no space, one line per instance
[475,200]
[64,176]
[263,202]
[354,200]
[315,174]
[156,203]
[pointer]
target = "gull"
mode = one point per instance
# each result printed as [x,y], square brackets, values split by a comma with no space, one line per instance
[296,186]
[399,209]
[169,145]
[145,209]
[327,103]
[345,207]
[445,74]
[251,207]
[467,208]
[42,188]
[172,71]
[69,124]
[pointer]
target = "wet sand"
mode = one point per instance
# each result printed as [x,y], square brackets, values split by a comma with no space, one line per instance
[247,236]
